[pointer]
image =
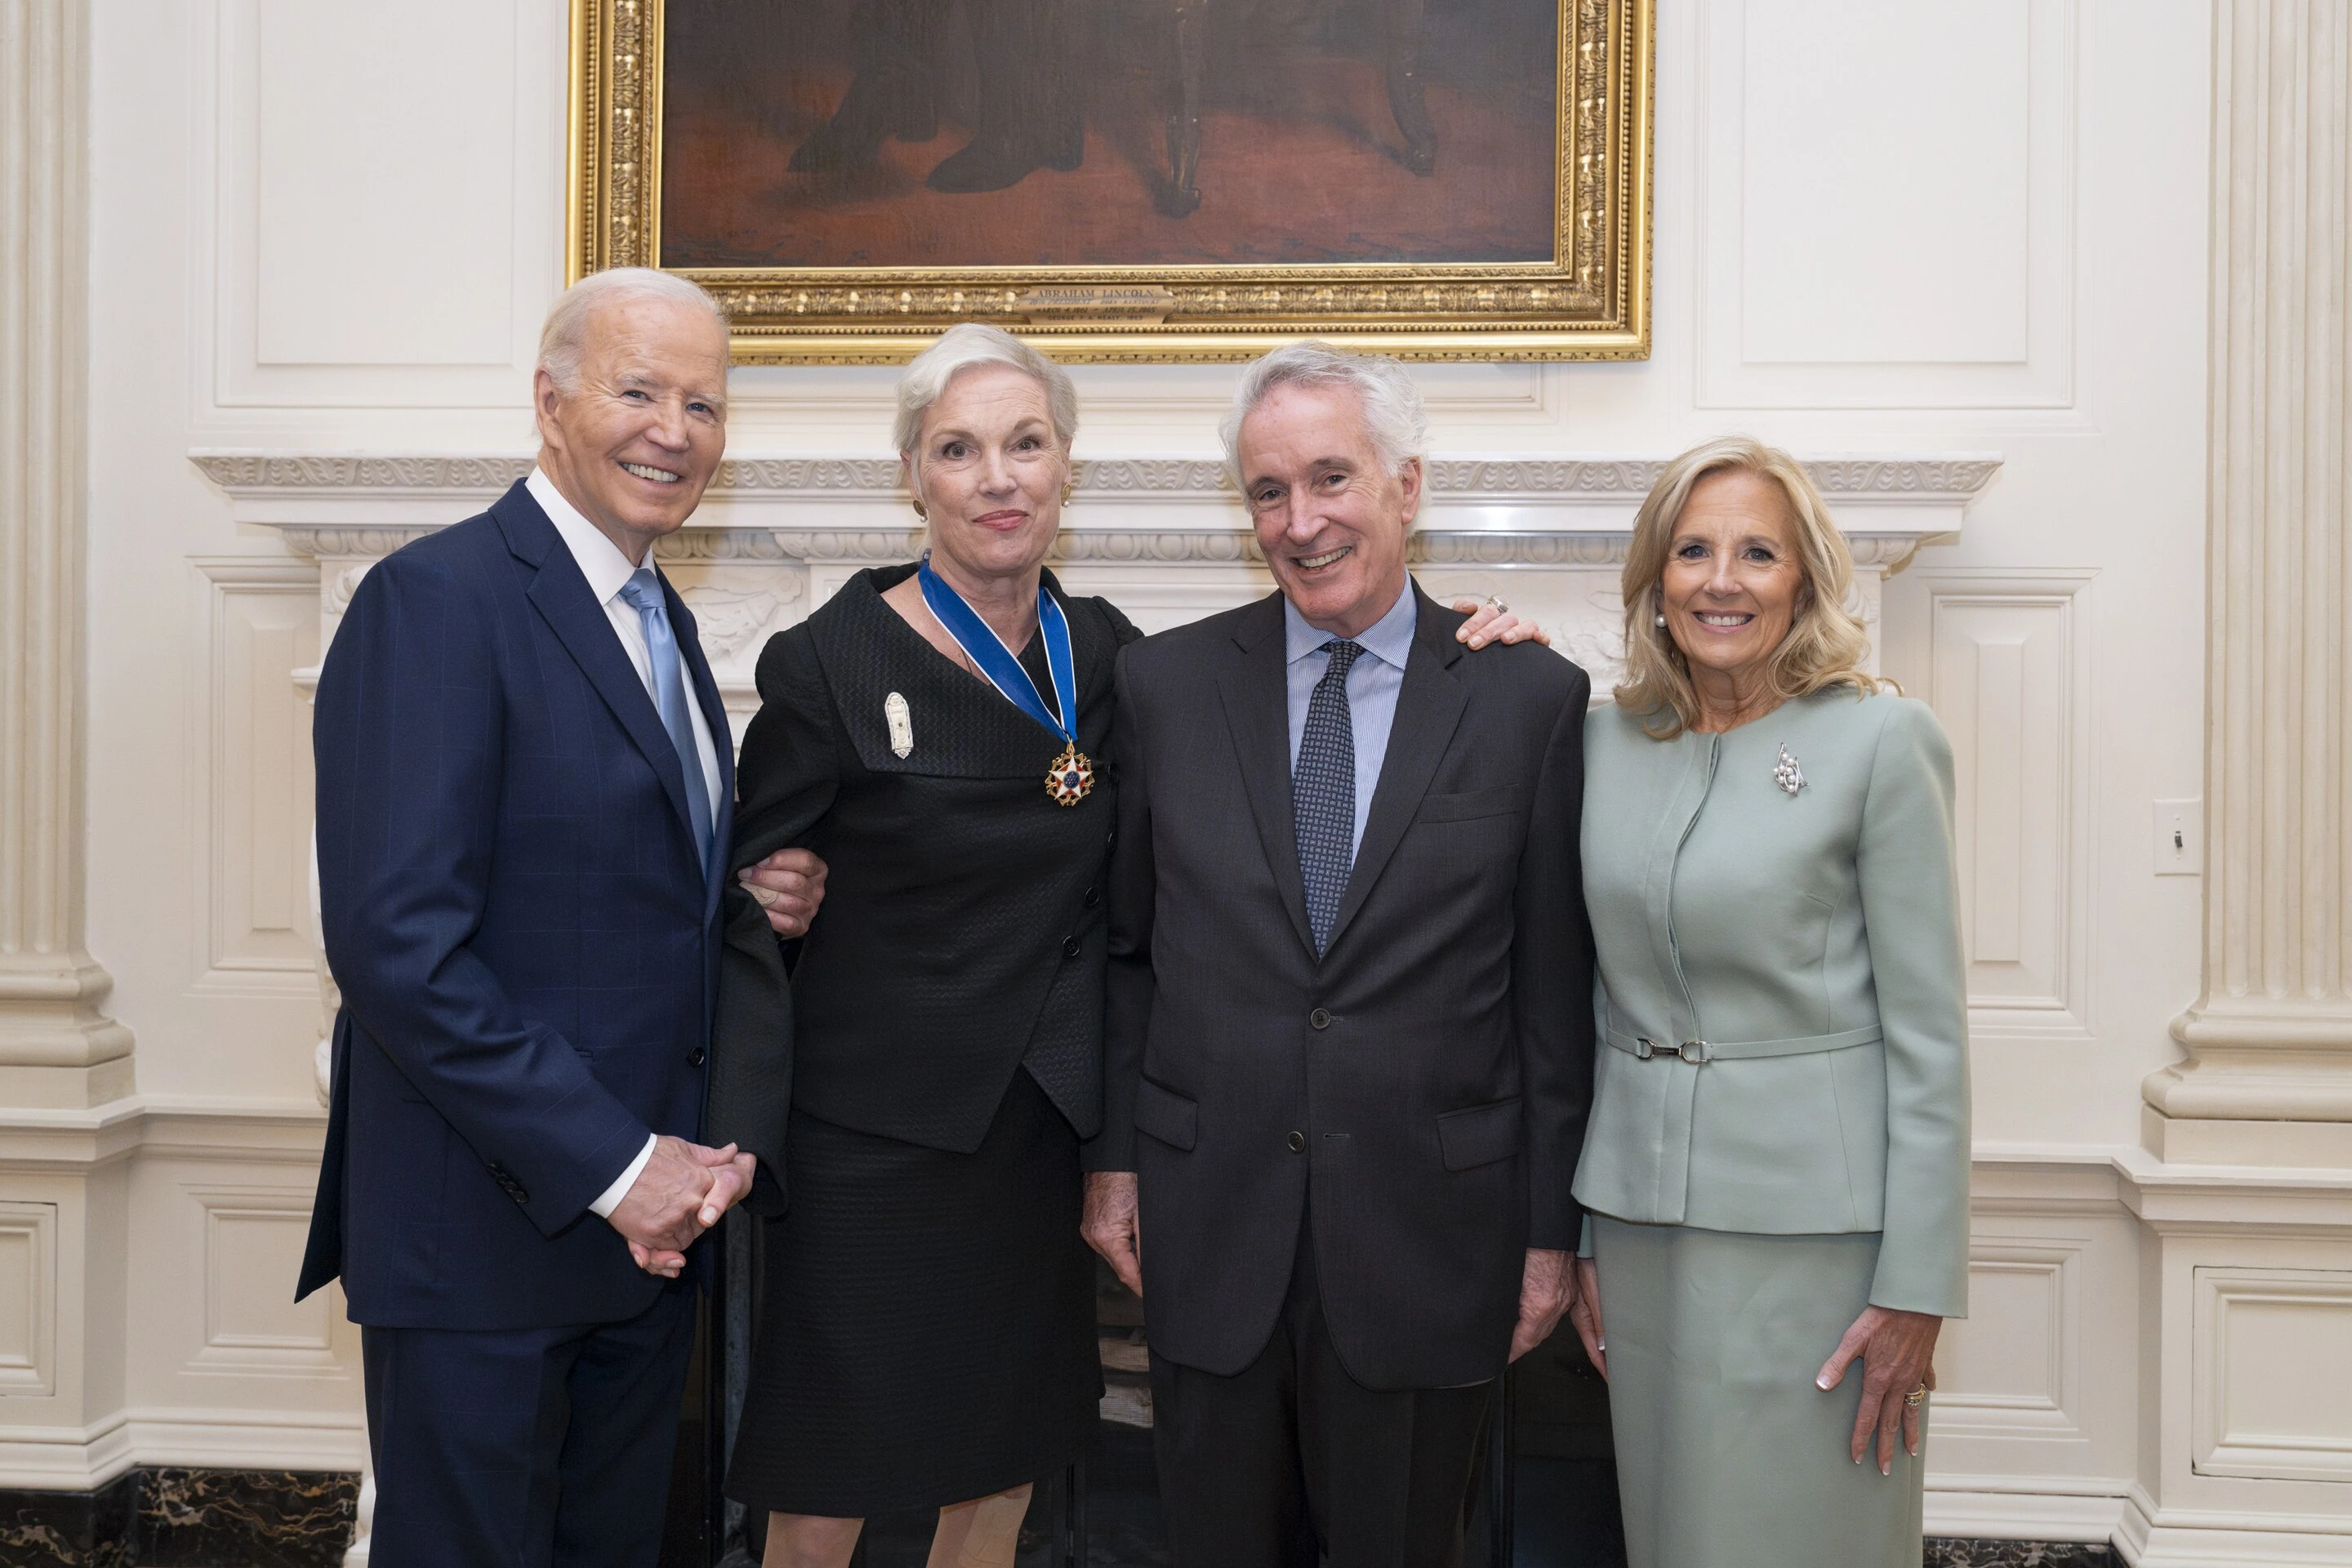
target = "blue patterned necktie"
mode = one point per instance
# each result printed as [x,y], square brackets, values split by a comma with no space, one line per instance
[1323,795]
[644,595]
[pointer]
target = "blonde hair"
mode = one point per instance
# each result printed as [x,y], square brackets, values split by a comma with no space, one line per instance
[1826,644]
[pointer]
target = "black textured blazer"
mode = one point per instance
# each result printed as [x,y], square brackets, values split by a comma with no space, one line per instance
[1420,1089]
[962,931]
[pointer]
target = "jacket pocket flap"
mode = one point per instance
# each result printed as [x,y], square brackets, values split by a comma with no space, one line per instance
[1170,1118]
[1480,1135]
[1470,804]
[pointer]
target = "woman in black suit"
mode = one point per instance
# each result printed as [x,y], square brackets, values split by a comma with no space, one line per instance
[917,1089]
[927,1331]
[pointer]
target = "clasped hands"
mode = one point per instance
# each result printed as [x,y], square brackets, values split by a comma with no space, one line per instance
[1113,1226]
[682,1191]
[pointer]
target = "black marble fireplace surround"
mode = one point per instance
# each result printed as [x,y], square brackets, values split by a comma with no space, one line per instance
[184,1519]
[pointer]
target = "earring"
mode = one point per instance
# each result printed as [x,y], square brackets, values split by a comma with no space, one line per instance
[926,517]
[1067,490]
[1662,620]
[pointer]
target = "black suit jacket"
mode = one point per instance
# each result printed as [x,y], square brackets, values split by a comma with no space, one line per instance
[963,931]
[1423,1085]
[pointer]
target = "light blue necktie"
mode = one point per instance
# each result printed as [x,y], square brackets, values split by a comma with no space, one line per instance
[1323,794]
[645,595]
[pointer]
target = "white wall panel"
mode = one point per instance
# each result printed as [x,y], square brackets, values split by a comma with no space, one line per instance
[2017,1370]
[29,1303]
[386,202]
[2007,670]
[256,790]
[2274,1393]
[1886,204]
[346,161]
[1905,242]
[254,1238]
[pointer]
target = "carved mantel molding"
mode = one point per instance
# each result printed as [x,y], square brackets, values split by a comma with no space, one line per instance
[1164,536]
[1486,512]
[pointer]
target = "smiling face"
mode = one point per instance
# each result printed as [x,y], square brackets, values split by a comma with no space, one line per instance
[989,471]
[1733,578]
[635,443]
[1330,514]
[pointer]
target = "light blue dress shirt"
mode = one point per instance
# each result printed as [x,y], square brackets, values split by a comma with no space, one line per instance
[1374,682]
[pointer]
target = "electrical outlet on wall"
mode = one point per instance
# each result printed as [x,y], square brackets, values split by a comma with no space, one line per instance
[2179,841]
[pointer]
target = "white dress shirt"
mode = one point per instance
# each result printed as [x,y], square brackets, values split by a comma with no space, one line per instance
[608,572]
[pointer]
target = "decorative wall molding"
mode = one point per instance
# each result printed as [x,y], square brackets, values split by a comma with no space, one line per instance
[1165,537]
[1548,511]
[1951,478]
[56,1045]
[2270,1039]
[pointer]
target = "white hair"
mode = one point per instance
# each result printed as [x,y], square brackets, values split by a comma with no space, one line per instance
[565,336]
[1394,419]
[969,344]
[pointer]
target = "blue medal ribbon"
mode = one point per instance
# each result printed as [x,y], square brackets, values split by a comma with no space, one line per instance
[995,661]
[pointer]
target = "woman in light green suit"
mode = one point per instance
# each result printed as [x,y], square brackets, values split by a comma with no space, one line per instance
[1777,1164]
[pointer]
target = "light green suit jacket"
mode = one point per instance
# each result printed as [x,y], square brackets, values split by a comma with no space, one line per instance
[1807,947]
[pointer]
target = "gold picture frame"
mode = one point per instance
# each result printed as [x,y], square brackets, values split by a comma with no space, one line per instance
[1589,300]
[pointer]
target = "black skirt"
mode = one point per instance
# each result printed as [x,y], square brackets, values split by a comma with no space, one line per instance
[926,1330]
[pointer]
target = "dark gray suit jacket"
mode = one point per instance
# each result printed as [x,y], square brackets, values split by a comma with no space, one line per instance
[1423,1085]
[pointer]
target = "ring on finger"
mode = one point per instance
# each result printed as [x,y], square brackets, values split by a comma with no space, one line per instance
[1917,1398]
[1500,608]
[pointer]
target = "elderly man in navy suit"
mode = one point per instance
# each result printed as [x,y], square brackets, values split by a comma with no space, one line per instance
[524,791]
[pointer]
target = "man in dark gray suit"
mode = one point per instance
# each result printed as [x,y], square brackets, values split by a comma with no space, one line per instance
[1351,1008]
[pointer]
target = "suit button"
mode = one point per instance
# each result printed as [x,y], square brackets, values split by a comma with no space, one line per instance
[1320,1017]
[1094,897]
[1298,1142]
[1070,947]
[697,1057]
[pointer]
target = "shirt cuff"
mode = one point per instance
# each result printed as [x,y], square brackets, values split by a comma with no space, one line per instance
[604,1206]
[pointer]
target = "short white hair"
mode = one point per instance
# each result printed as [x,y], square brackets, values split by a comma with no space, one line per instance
[565,337]
[969,344]
[1394,419]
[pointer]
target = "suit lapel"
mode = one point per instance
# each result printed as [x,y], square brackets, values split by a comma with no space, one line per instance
[1428,708]
[561,596]
[1257,709]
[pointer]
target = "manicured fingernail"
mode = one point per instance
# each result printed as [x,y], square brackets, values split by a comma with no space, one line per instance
[1886,1470]
[1823,1384]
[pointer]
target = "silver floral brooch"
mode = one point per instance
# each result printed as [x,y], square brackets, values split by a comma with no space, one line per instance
[1786,774]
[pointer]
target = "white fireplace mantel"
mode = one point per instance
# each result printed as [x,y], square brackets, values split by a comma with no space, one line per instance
[1165,538]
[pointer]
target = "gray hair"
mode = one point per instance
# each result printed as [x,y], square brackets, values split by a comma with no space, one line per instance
[565,336]
[969,344]
[1393,418]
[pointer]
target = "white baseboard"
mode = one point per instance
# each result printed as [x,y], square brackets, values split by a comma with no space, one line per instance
[35,1458]
[2014,1508]
[2152,1537]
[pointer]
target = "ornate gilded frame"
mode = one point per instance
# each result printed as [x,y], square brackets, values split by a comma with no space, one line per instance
[1592,300]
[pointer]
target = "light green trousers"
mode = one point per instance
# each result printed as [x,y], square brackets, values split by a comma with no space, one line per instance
[1727,1456]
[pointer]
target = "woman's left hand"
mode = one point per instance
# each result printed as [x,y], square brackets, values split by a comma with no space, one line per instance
[1898,1351]
[1492,621]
